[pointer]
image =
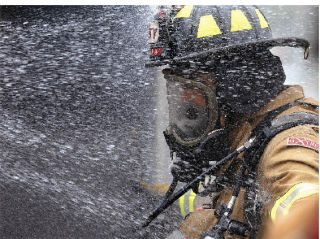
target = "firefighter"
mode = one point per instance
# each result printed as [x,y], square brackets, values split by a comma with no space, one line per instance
[224,86]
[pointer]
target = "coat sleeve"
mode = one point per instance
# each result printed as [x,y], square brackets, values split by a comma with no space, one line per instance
[302,223]
[288,170]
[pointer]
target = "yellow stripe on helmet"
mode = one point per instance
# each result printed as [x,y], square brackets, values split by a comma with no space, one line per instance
[239,21]
[184,12]
[263,22]
[208,27]
[298,191]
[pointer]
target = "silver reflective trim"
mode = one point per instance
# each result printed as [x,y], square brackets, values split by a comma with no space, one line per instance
[209,237]
[176,235]
[287,202]
[298,191]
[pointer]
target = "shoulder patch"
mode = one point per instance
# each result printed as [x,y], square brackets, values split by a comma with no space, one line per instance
[303,142]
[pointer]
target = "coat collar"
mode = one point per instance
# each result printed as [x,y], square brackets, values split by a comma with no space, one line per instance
[243,129]
[285,97]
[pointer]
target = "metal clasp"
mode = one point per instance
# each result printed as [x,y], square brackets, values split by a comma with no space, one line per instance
[306,52]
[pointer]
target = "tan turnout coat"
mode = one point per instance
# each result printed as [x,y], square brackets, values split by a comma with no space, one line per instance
[282,170]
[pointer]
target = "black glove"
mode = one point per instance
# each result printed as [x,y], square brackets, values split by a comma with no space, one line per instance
[188,163]
[184,169]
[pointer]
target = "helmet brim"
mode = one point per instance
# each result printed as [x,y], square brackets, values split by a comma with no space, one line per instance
[256,46]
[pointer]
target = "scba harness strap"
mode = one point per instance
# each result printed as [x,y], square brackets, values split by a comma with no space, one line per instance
[270,127]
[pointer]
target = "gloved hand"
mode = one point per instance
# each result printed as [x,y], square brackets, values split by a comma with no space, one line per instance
[184,169]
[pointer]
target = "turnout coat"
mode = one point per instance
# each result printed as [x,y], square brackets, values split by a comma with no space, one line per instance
[286,174]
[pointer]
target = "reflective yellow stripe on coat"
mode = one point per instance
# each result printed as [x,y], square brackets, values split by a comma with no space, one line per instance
[186,202]
[298,191]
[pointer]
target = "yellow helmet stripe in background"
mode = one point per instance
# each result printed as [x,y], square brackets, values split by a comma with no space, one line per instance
[207,27]
[184,12]
[183,206]
[239,21]
[263,22]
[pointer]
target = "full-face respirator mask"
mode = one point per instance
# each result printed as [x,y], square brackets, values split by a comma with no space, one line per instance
[194,134]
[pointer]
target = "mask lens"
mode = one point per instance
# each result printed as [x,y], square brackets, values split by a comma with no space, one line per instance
[188,114]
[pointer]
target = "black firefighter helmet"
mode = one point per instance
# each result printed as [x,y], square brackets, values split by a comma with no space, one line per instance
[227,45]
[198,33]
[232,42]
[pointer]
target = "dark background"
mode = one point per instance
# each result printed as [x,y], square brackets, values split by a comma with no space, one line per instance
[76,123]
